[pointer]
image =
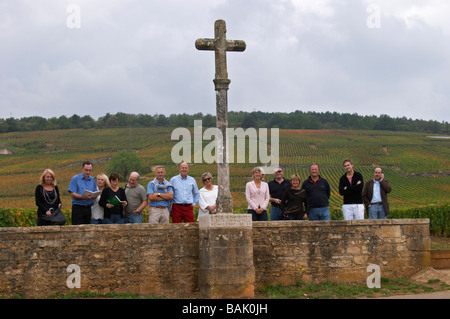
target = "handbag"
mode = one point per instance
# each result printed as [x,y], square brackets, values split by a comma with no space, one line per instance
[57,217]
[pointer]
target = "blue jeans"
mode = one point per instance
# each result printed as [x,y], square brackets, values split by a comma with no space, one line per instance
[134,219]
[114,219]
[97,221]
[258,217]
[275,213]
[377,212]
[319,213]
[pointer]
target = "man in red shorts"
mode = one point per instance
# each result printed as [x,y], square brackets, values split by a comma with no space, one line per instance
[185,197]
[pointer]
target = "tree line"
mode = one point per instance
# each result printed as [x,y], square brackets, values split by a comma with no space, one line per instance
[257,119]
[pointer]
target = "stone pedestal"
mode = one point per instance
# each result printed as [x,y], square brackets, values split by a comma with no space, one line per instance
[226,256]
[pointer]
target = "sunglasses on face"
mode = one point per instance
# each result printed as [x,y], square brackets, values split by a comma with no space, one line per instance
[207,179]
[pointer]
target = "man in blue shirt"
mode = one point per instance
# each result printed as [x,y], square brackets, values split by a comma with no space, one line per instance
[81,203]
[185,196]
[159,194]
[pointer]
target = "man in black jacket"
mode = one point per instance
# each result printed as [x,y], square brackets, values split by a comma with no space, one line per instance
[351,186]
[317,194]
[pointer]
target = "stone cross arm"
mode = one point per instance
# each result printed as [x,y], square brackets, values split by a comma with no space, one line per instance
[210,44]
[220,45]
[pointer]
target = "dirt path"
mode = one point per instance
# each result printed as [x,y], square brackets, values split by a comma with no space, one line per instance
[431,295]
[422,277]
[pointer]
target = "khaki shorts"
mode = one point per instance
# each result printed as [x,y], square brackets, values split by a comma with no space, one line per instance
[158,215]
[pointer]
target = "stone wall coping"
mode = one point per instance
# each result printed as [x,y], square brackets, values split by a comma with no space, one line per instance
[194,226]
[91,227]
[332,223]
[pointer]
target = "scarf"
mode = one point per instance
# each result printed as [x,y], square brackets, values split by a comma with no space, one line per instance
[159,186]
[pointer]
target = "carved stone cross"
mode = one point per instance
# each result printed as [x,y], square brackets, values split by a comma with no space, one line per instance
[221,45]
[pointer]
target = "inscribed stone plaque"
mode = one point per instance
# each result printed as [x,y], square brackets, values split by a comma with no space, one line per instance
[225,221]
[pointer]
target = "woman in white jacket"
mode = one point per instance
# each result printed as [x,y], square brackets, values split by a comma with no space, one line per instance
[257,195]
[208,196]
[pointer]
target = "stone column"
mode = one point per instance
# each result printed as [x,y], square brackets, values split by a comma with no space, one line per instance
[224,200]
[226,256]
[226,246]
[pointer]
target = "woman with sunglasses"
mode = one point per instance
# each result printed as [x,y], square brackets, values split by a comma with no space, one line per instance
[208,196]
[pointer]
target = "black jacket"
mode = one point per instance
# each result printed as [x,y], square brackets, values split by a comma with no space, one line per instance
[294,202]
[42,204]
[107,193]
[353,193]
[317,193]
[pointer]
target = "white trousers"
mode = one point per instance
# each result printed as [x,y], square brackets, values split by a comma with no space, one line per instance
[353,211]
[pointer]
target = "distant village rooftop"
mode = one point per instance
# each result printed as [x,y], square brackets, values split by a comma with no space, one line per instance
[4,151]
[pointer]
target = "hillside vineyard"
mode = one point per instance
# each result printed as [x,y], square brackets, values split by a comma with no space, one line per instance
[416,165]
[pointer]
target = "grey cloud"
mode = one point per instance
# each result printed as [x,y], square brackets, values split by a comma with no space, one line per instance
[135,56]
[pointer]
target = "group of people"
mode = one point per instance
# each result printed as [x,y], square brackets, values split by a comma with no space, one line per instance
[101,200]
[290,201]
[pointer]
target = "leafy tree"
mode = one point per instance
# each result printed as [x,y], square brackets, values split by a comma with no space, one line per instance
[87,122]
[249,121]
[76,120]
[64,122]
[124,163]
[209,121]
[161,120]
[294,120]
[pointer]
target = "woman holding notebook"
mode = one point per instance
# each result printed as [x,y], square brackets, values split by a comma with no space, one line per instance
[113,200]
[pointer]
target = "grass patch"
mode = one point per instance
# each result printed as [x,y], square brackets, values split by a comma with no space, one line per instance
[332,290]
[299,290]
[440,242]
[96,295]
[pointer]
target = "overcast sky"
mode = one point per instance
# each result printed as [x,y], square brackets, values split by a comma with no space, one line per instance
[350,56]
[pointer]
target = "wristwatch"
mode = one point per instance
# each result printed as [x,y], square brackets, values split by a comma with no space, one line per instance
[159,195]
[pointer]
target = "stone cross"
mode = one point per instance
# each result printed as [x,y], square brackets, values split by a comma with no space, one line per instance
[220,45]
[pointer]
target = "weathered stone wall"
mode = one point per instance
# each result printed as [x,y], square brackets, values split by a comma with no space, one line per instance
[164,259]
[339,251]
[145,259]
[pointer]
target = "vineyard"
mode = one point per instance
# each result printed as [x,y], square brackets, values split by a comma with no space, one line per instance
[417,166]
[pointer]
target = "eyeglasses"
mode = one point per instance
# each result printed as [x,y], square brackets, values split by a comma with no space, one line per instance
[207,179]
[279,171]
